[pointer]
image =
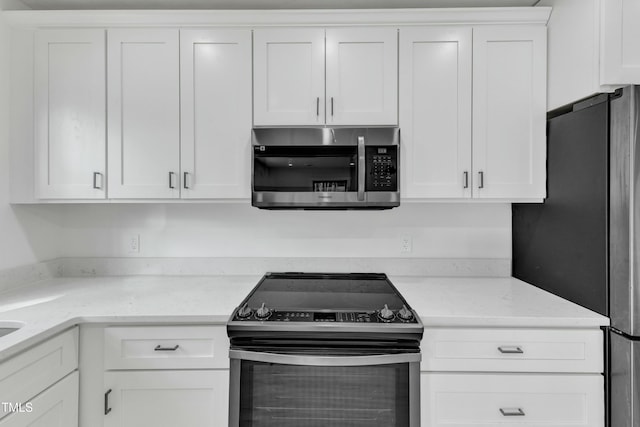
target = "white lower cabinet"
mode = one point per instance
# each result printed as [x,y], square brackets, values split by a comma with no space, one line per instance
[33,371]
[158,375]
[55,407]
[469,399]
[167,398]
[512,377]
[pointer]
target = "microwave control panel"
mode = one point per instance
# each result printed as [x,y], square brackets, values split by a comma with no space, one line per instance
[382,168]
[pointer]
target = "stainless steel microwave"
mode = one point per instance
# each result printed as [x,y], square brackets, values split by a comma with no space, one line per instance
[326,168]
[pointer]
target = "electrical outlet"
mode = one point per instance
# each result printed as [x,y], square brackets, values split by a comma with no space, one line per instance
[405,244]
[133,244]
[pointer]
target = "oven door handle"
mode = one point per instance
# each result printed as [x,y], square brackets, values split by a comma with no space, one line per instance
[296,359]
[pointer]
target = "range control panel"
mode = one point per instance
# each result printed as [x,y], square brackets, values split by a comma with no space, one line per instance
[384,315]
[382,168]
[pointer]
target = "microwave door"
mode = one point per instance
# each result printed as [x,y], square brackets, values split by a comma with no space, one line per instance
[307,175]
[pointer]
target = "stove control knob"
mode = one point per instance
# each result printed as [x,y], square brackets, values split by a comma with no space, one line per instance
[386,313]
[244,311]
[263,312]
[405,313]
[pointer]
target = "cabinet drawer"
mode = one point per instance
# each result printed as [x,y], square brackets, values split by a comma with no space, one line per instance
[512,350]
[166,347]
[464,400]
[29,373]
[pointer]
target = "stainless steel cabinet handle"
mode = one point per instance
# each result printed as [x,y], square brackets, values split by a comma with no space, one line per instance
[171,174]
[512,412]
[318,107]
[465,179]
[97,175]
[510,349]
[481,176]
[361,168]
[184,180]
[160,348]
[107,409]
[332,106]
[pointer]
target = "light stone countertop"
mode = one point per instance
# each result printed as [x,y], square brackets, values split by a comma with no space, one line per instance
[53,305]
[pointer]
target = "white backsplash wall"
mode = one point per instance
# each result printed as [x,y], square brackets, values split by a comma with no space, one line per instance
[239,230]
[27,234]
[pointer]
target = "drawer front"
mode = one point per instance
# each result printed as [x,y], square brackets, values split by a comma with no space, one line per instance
[465,400]
[512,350]
[30,372]
[166,347]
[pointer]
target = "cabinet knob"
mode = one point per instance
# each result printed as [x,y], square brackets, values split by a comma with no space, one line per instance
[171,185]
[465,179]
[481,179]
[107,409]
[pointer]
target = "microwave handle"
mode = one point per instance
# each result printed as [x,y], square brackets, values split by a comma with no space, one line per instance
[305,360]
[361,168]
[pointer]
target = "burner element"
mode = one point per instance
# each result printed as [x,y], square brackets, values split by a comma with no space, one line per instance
[405,313]
[244,311]
[263,312]
[386,314]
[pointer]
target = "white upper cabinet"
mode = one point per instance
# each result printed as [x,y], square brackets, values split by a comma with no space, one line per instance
[620,32]
[509,116]
[215,74]
[361,81]
[594,46]
[288,73]
[362,76]
[143,113]
[435,111]
[70,113]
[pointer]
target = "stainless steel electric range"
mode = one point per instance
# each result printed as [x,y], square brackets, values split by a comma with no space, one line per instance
[324,350]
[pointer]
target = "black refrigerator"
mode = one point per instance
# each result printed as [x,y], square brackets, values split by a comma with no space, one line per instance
[582,243]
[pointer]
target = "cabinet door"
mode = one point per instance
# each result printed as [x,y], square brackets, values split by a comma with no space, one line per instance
[288,76]
[469,400]
[215,99]
[509,111]
[70,114]
[55,407]
[435,112]
[362,76]
[143,113]
[620,42]
[167,398]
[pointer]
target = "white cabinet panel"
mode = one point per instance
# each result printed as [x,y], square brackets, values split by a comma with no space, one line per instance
[468,400]
[620,42]
[27,374]
[70,114]
[435,112]
[215,113]
[167,398]
[362,76]
[512,350]
[288,76]
[143,113]
[509,104]
[55,407]
[166,347]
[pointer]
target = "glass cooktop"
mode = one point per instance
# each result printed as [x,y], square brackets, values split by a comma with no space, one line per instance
[333,292]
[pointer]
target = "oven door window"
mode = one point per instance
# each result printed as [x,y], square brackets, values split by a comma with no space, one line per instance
[278,395]
[305,169]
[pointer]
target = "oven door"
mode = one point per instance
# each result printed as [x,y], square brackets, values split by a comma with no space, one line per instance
[293,390]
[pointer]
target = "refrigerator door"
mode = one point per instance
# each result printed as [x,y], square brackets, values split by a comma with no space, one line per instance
[562,245]
[624,381]
[624,211]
